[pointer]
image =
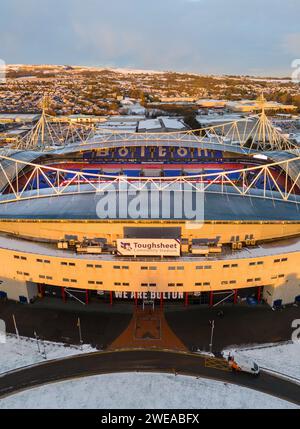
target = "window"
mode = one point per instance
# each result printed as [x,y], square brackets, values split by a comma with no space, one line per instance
[125,284]
[16,257]
[284,259]
[90,282]
[172,268]
[98,266]
[99,283]
[117,267]
[90,266]
[72,264]
[206,284]
[152,268]
[249,280]
[73,281]
[39,260]
[23,274]
[179,284]
[207,267]
[180,268]
[23,258]
[125,268]
[144,268]
[117,284]
[276,260]
[152,284]
[48,277]
[226,266]
[232,282]
[224,282]
[42,277]
[171,284]
[63,263]
[258,279]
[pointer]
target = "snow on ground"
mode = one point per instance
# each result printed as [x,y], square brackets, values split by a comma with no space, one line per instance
[18,353]
[142,390]
[284,358]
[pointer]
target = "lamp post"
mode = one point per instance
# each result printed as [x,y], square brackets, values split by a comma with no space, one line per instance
[212,323]
[37,342]
[80,334]
[16,328]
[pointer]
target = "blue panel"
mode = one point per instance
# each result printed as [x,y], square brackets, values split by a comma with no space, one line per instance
[132,173]
[88,155]
[188,173]
[85,170]
[122,153]
[172,173]
[143,153]
[182,153]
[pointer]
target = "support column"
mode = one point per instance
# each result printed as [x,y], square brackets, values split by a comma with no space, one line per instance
[161,301]
[186,302]
[211,298]
[63,294]
[40,290]
[135,299]
[87,296]
[259,295]
[111,298]
[235,296]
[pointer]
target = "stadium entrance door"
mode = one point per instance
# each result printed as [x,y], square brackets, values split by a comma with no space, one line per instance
[148,302]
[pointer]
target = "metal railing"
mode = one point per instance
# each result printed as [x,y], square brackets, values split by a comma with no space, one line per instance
[273,180]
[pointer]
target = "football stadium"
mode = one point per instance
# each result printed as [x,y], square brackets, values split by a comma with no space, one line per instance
[195,217]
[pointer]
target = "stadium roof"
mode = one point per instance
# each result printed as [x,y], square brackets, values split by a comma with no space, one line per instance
[217,206]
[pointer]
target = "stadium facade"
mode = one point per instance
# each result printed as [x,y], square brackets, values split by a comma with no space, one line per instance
[203,217]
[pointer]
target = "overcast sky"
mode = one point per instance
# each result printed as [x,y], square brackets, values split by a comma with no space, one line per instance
[205,36]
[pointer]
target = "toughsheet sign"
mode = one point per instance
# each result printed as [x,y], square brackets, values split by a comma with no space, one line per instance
[148,247]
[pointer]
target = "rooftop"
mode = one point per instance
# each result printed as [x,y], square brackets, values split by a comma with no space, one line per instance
[267,249]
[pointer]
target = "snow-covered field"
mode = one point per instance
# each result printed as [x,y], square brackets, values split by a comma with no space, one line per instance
[18,353]
[138,390]
[283,358]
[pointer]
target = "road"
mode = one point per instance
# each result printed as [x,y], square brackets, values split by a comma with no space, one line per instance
[141,361]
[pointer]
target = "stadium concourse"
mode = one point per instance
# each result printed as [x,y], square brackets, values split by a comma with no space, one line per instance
[206,216]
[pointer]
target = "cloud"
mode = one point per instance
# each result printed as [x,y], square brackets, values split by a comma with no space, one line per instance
[291,44]
[215,36]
